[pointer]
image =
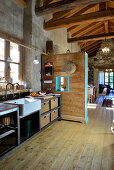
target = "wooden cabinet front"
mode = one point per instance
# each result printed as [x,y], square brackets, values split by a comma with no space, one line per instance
[45,120]
[45,107]
[54,115]
[54,103]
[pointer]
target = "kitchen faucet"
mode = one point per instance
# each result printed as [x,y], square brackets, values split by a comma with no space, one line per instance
[17,84]
[12,89]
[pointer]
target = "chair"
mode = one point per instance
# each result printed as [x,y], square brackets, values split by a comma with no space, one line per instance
[103,94]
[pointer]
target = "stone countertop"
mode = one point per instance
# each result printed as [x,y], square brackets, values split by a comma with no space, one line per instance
[4,107]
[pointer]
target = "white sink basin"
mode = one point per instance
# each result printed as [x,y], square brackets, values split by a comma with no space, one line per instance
[26,105]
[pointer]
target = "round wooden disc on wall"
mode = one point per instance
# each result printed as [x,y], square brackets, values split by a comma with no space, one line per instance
[70,67]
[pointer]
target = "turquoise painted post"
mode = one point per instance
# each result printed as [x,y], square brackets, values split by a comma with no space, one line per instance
[86,87]
[58,83]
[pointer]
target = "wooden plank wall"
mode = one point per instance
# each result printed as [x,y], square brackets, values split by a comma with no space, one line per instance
[72,102]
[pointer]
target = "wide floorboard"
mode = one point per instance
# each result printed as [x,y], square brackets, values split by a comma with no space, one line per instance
[67,145]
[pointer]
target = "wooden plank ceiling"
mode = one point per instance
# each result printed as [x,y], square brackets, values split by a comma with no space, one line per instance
[87,21]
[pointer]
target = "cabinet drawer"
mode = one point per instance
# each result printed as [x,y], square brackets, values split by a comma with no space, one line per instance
[45,120]
[44,107]
[54,103]
[54,115]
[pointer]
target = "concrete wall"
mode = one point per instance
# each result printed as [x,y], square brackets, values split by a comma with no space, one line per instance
[33,34]
[11,18]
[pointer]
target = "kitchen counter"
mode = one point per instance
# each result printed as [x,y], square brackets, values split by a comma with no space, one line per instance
[15,91]
[5,107]
[49,112]
[45,97]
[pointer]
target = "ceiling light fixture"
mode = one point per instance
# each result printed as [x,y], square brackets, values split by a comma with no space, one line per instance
[9,59]
[35,61]
[105,50]
[107,45]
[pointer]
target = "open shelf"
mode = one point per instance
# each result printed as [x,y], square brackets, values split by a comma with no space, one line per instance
[9,133]
[5,132]
[24,138]
[29,126]
[7,143]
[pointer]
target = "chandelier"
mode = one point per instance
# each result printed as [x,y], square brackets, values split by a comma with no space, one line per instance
[106,51]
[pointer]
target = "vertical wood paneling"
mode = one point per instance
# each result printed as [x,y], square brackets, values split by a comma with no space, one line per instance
[72,102]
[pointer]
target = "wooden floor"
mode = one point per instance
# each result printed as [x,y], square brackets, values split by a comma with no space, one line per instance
[68,145]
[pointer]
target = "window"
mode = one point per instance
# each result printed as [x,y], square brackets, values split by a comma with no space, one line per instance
[2,57]
[11,70]
[14,52]
[14,73]
[2,69]
[2,49]
[109,79]
[14,64]
[101,77]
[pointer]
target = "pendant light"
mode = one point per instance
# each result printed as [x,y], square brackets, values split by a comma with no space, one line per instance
[9,59]
[35,61]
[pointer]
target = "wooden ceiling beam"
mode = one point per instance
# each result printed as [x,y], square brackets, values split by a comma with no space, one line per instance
[81,19]
[66,13]
[89,42]
[111,4]
[102,6]
[83,45]
[64,5]
[89,46]
[91,37]
[93,54]
[106,27]
[85,9]
[97,30]
[92,49]
[47,2]
[22,3]
[75,11]
[87,29]
[75,28]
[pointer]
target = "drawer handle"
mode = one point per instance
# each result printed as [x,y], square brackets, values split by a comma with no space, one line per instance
[54,111]
[44,103]
[54,100]
[44,116]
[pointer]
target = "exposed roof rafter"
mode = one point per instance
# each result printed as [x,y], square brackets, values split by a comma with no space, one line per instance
[91,37]
[82,19]
[106,27]
[64,5]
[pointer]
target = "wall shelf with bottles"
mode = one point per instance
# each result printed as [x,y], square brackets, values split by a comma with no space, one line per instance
[47,70]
